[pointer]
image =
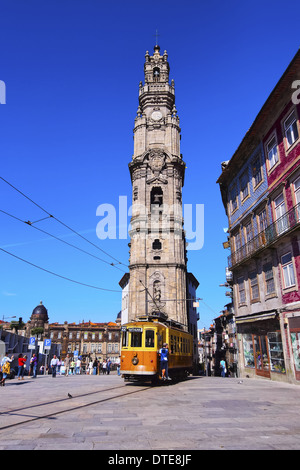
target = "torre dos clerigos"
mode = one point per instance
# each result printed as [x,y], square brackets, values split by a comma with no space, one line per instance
[159,283]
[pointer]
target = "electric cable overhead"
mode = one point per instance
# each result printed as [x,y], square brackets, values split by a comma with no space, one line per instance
[59,221]
[31,224]
[59,239]
[62,223]
[59,275]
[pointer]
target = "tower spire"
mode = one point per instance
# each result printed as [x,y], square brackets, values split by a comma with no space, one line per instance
[157,239]
[156,38]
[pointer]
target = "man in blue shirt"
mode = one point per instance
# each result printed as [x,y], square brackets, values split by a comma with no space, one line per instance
[223,368]
[164,358]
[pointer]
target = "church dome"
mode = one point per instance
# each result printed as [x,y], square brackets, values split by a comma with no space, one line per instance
[40,312]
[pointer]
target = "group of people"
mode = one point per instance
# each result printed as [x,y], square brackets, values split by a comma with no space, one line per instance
[70,366]
[5,367]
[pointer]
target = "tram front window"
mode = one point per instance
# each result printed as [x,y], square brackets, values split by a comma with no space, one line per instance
[136,339]
[125,338]
[149,339]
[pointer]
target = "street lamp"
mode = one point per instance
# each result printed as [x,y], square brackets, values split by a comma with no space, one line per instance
[5,318]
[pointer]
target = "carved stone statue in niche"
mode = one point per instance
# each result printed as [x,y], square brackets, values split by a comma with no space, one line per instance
[156,162]
[156,303]
[156,291]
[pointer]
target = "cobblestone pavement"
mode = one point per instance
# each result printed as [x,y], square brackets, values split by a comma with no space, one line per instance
[200,413]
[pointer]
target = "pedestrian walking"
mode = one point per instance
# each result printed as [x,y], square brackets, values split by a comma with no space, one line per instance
[21,366]
[164,359]
[5,368]
[95,366]
[90,368]
[67,363]
[118,365]
[78,366]
[58,366]
[104,365]
[53,364]
[33,365]
[108,366]
[223,368]
[72,366]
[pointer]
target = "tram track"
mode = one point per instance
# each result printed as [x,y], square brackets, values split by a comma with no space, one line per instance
[21,412]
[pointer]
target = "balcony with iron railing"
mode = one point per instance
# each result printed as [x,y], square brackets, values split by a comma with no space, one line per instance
[283,225]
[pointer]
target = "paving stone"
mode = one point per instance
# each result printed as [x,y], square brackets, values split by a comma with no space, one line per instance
[204,413]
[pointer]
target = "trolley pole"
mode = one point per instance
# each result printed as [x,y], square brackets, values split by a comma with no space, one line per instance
[205,354]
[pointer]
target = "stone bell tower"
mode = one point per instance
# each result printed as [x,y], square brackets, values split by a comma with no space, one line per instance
[158,264]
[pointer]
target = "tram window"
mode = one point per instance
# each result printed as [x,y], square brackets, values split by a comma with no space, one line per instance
[172,345]
[181,350]
[125,338]
[136,339]
[149,339]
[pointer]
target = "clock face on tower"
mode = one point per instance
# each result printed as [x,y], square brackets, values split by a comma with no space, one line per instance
[156,115]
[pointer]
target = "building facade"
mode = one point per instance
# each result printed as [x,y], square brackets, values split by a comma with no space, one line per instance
[88,340]
[158,282]
[85,339]
[260,188]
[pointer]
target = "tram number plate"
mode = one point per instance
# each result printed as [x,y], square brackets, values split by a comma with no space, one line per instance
[135,330]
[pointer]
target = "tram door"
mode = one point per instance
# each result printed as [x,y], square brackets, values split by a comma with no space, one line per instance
[262,360]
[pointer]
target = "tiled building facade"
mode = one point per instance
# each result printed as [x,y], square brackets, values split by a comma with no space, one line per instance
[89,340]
[260,187]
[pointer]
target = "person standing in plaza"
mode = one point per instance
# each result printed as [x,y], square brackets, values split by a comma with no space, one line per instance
[67,363]
[104,365]
[164,359]
[95,366]
[54,362]
[78,366]
[58,365]
[223,368]
[33,365]
[108,366]
[118,365]
[5,367]
[21,366]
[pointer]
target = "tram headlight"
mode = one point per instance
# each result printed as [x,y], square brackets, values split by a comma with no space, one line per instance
[135,360]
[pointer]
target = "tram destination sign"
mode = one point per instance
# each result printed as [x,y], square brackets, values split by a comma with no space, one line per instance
[135,330]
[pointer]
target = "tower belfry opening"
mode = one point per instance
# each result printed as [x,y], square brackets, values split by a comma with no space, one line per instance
[158,277]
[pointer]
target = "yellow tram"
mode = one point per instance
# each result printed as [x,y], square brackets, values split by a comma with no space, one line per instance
[141,341]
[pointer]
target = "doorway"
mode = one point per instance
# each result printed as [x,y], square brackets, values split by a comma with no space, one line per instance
[262,359]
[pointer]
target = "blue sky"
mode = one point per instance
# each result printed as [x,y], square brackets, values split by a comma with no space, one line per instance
[72,69]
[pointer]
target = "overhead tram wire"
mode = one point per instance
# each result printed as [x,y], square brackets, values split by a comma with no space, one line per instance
[60,239]
[62,223]
[86,252]
[63,241]
[59,275]
[65,225]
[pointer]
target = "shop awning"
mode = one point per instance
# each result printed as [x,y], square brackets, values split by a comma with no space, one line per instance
[257,317]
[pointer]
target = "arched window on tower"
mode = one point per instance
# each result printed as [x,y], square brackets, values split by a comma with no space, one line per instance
[156,245]
[156,74]
[156,198]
